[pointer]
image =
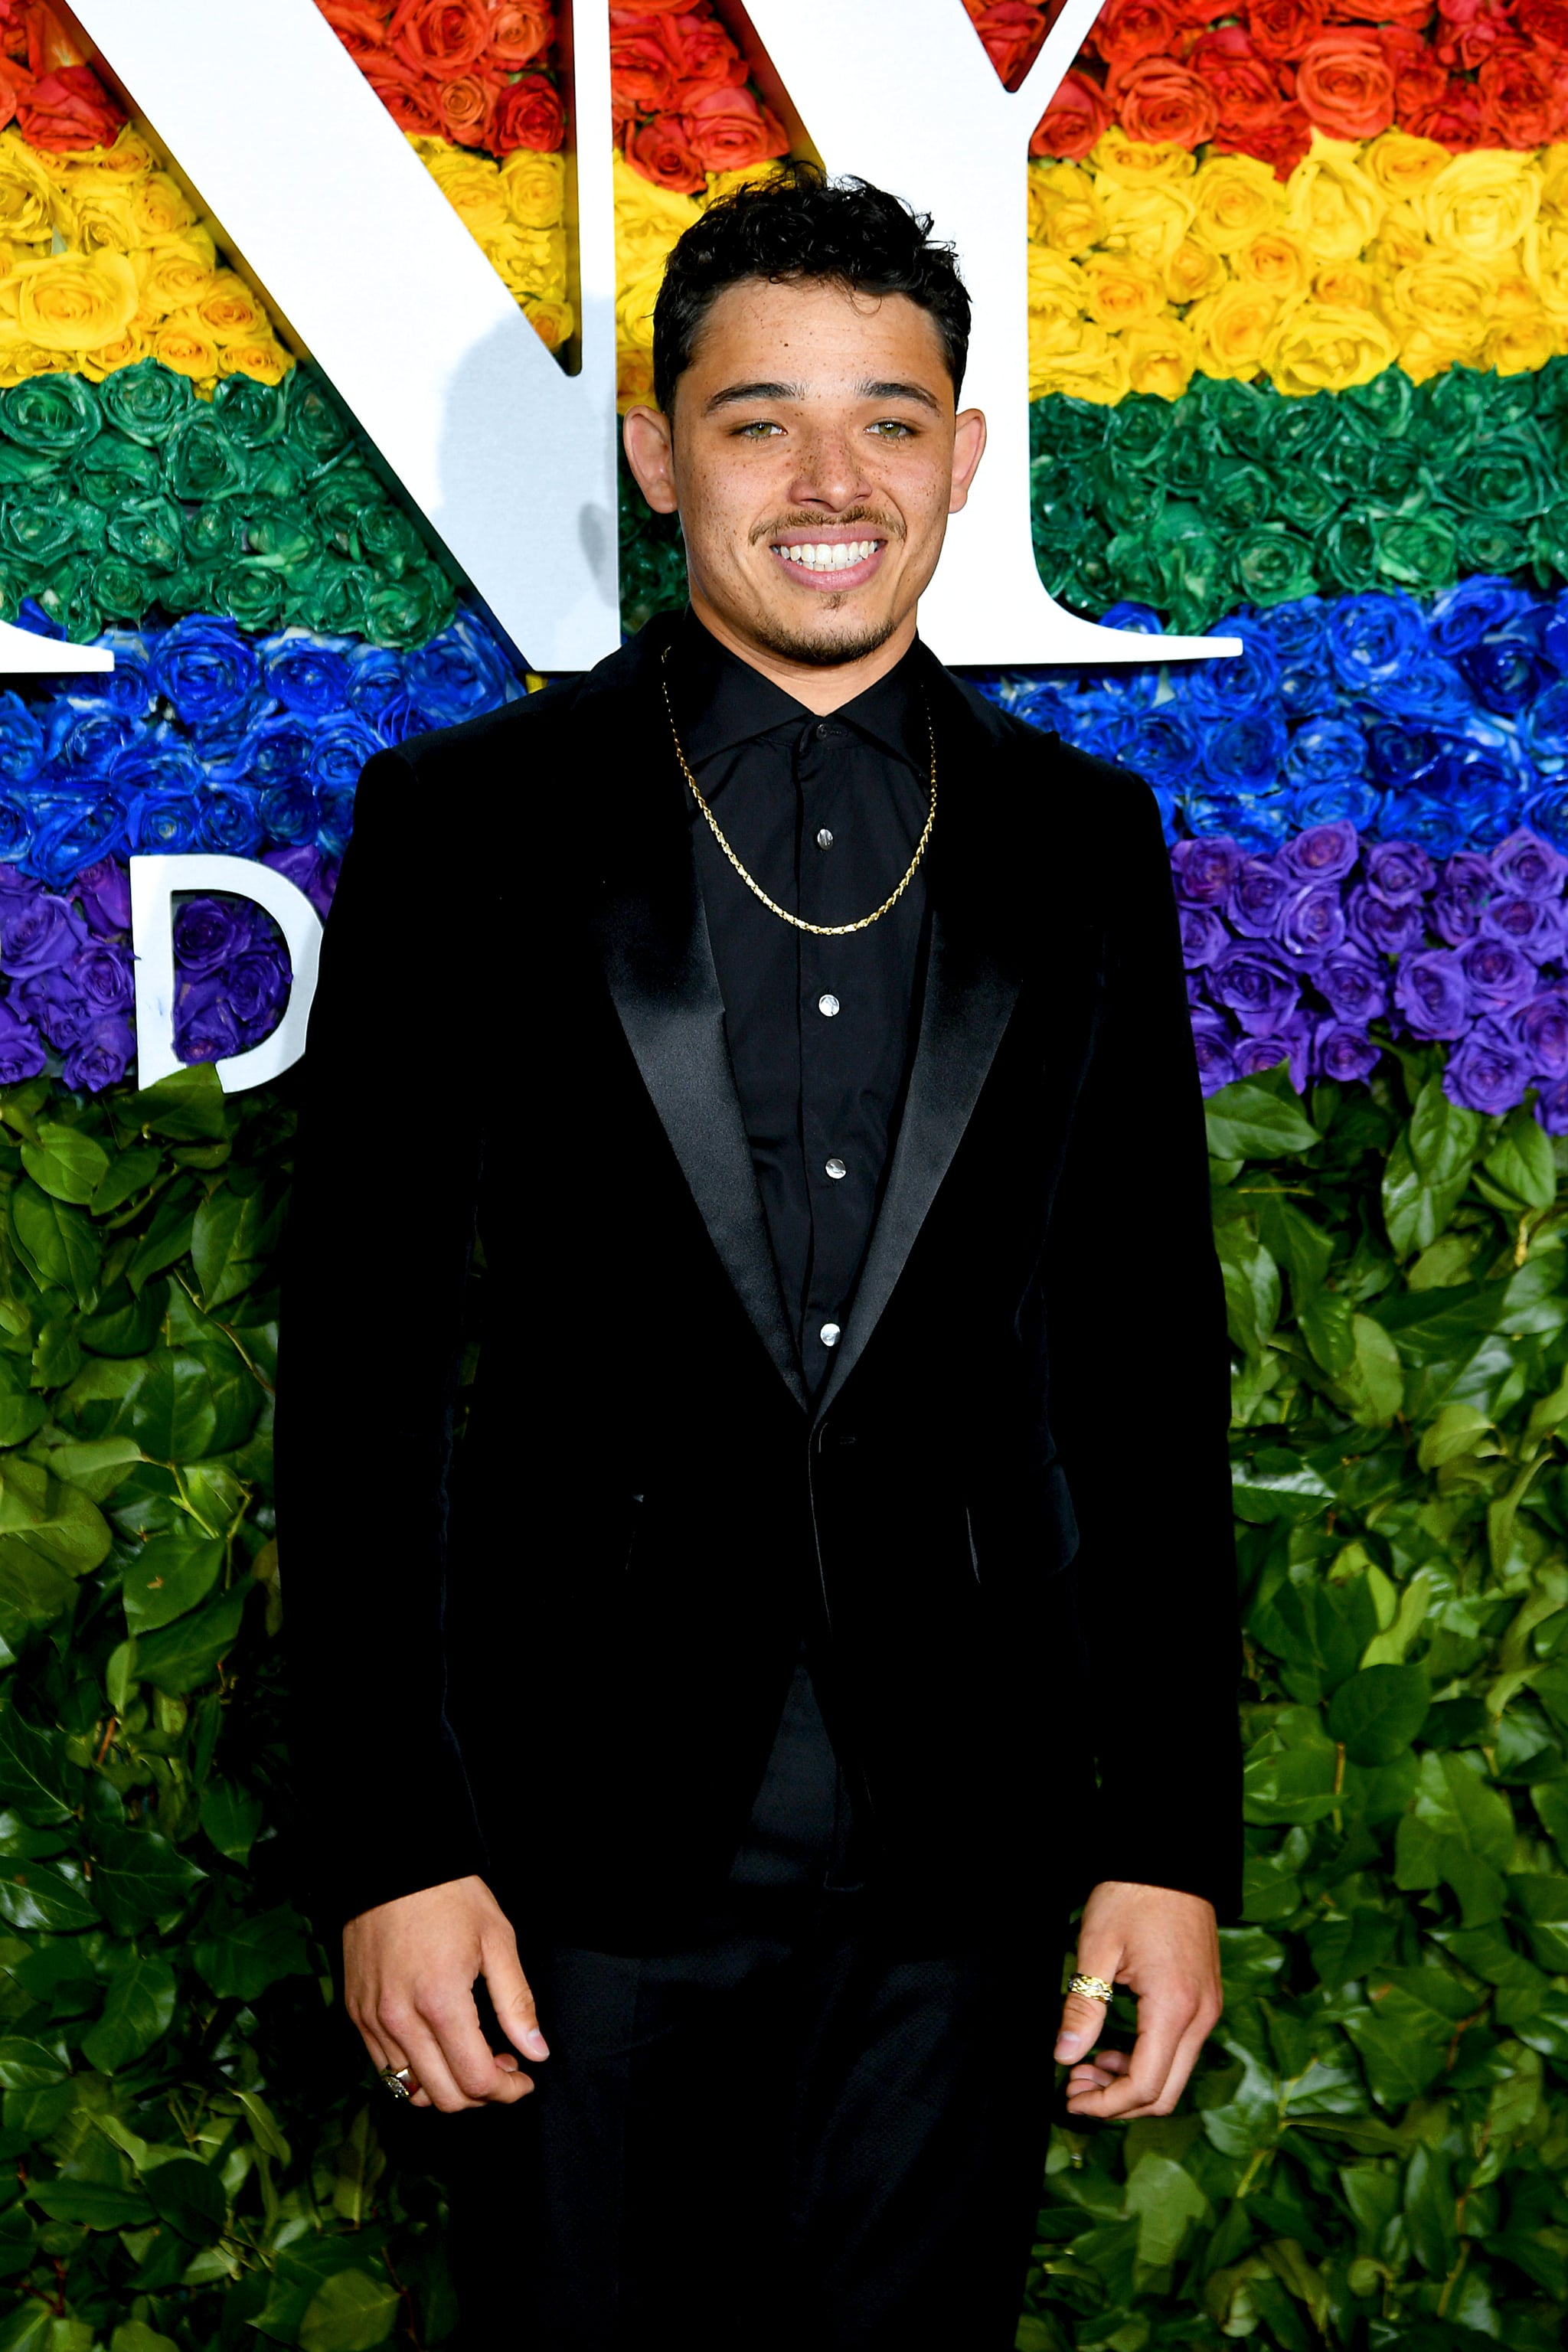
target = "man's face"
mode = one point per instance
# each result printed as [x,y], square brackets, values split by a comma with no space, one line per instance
[814,457]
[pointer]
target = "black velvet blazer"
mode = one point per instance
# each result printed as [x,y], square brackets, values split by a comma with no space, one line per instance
[554,1650]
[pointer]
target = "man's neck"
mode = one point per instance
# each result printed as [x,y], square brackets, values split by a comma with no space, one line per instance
[821,687]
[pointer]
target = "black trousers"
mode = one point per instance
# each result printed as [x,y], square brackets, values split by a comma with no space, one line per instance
[802,2129]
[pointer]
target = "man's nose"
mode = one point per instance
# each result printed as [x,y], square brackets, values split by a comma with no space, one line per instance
[830,473]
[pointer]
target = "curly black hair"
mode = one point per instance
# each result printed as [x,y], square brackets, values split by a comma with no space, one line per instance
[800,224]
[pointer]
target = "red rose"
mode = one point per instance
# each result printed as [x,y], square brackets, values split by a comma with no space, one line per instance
[360,25]
[1283,28]
[1203,12]
[1346,85]
[443,37]
[1520,90]
[520,32]
[528,114]
[702,51]
[1410,12]
[50,48]
[66,110]
[728,128]
[1245,88]
[655,7]
[659,152]
[642,77]
[1011,31]
[1453,120]
[1158,101]
[1131,29]
[1467,29]
[1076,119]
[466,104]
[1420,77]
[408,97]
[1281,143]
[1545,21]
[12,80]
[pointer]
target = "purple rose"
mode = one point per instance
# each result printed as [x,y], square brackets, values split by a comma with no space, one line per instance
[104,890]
[1291,1041]
[22,1053]
[1463,890]
[1381,929]
[1526,863]
[257,984]
[1195,997]
[1260,890]
[1352,984]
[1433,993]
[106,976]
[1343,1052]
[1542,1028]
[1399,872]
[1204,869]
[207,931]
[304,865]
[1211,1042]
[1552,1106]
[1313,921]
[1324,853]
[1534,925]
[1499,975]
[1203,935]
[1256,985]
[1487,1072]
[101,1055]
[204,1027]
[37,932]
[53,1000]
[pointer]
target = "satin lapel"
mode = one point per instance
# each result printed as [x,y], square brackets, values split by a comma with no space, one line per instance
[653,940]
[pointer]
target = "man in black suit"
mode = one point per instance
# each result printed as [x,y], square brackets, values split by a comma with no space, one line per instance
[832,1581]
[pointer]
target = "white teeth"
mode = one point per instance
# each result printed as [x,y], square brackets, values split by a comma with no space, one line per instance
[830,555]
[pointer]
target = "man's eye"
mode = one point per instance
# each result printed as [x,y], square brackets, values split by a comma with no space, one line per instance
[892,428]
[759,429]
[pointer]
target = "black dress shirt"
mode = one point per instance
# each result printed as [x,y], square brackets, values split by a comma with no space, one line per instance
[826,813]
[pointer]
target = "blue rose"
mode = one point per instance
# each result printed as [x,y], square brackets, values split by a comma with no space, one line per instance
[1373,639]
[75,831]
[1255,821]
[231,820]
[335,821]
[1545,725]
[273,752]
[1344,800]
[1413,759]
[378,693]
[1502,674]
[162,761]
[457,674]
[16,827]
[1323,750]
[1437,826]
[1460,617]
[341,753]
[101,1055]
[85,739]
[1546,813]
[1157,745]
[1487,1073]
[128,687]
[1306,674]
[163,820]
[309,675]
[21,742]
[1245,752]
[1552,632]
[1230,687]
[205,668]
[1486,802]
[1425,690]
[288,811]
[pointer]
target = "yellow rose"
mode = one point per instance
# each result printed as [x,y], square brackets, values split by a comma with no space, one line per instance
[1521,342]
[1129,164]
[262,356]
[535,188]
[159,208]
[1315,348]
[1161,359]
[1400,164]
[1231,328]
[1552,168]
[130,156]
[27,196]
[1059,295]
[1118,293]
[1274,262]
[1094,369]
[102,220]
[76,304]
[634,379]
[1441,304]
[532,261]
[648,220]
[1480,205]
[1330,203]
[1545,259]
[1065,210]
[1146,225]
[1192,272]
[472,186]
[724,183]
[634,309]
[552,322]
[184,344]
[20,358]
[1346,286]
[1401,241]
[175,276]
[230,312]
[1236,198]
[136,343]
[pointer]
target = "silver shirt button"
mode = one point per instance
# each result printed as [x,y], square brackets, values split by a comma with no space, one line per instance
[825,839]
[835,1168]
[827,1006]
[828,1335]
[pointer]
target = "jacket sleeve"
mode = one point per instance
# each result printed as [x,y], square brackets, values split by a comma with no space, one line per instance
[1141,1396]
[379,1233]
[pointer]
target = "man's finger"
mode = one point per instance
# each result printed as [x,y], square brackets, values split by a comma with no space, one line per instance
[511,1997]
[1160,2030]
[1083,2017]
[466,2057]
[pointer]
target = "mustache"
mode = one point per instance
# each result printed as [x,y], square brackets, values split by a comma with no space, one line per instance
[889,525]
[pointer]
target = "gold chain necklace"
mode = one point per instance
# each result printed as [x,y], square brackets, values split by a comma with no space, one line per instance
[819,930]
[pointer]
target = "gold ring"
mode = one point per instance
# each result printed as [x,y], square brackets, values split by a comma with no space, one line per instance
[1092,1988]
[399,2081]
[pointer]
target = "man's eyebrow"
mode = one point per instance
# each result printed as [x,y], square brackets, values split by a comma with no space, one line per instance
[901,392]
[744,391]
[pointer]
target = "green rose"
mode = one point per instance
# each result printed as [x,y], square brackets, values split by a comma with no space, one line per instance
[148,533]
[67,596]
[251,594]
[1419,552]
[338,500]
[1299,430]
[58,415]
[1196,567]
[189,589]
[277,473]
[388,540]
[1273,564]
[120,590]
[115,470]
[1547,546]
[1238,416]
[25,469]
[145,400]
[1385,471]
[282,533]
[1507,476]
[411,610]
[1305,499]
[1069,428]
[1347,555]
[253,413]
[1191,453]
[330,595]
[315,429]
[1140,427]
[40,533]
[215,533]
[203,461]
[1134,560]
[1240,495]
[1386,404]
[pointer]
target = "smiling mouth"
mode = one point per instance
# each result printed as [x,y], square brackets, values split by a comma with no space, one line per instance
[828,562]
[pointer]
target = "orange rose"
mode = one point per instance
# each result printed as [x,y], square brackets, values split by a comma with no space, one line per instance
[520,32]
[360,25]
[727,128]
[466,104]
[1074,120]
[642,72]
[1245,86]
[1520,90]
[1284,28]
[443,37]
[67,110]
[1345,83]
[408,97]
[528,114]
[1157,101]
[660,153]
[1011,31]
[702,51]
[1127,30]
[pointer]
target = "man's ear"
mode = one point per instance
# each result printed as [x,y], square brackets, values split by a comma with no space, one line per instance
[651,453]
[968,448]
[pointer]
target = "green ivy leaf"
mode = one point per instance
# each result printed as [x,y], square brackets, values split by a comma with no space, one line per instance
[65,1163]
[1378,1712]
[1521,1159]
[1246,1120]
[187,1107]
[56,1243]
[138,2011]
[184,1655]
[351,2312]
[188,2196]
[171,1573]
[250,1954]
[139,1876]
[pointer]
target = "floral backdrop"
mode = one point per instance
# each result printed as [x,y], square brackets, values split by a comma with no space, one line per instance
[1298,368]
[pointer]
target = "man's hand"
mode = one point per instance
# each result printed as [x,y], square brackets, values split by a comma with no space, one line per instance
[409,1971]
[1164,1946]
